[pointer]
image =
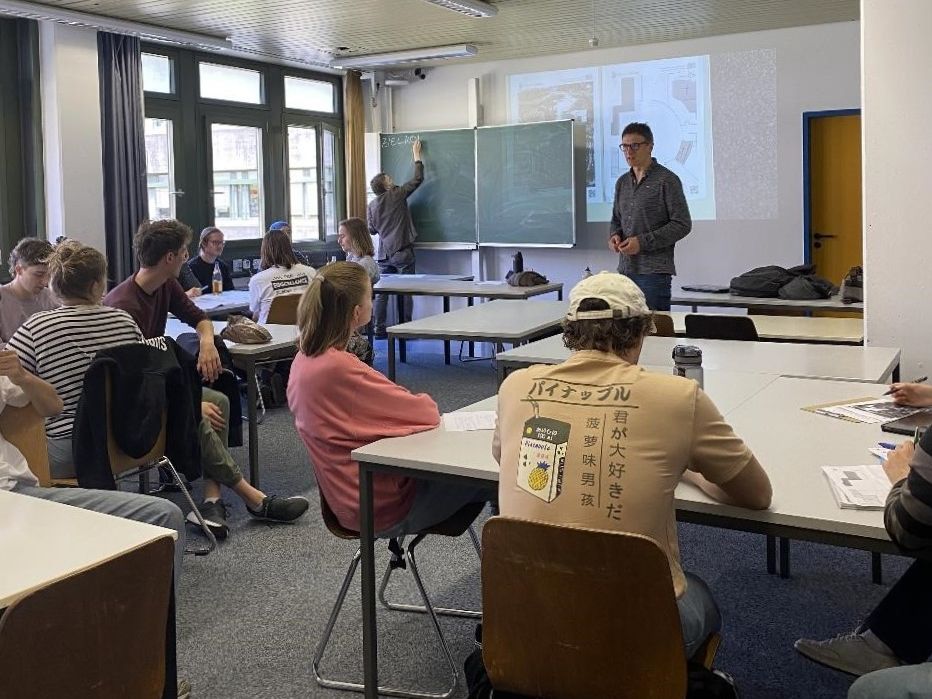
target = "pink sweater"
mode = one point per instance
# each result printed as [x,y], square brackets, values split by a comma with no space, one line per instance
[339,404]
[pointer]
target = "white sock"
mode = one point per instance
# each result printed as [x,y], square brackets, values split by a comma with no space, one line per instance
[875,644]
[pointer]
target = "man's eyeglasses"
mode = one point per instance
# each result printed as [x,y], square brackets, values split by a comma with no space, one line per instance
[632,147]
[216,241]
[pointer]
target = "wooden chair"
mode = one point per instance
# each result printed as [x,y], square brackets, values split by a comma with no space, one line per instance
[96,634]
[24,428]
[573,613]
[455,526]
[664,325]
[284,310]
[723,327]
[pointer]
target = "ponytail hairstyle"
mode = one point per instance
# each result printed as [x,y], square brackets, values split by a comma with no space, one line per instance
[325,312]
[74,269]
[359,237]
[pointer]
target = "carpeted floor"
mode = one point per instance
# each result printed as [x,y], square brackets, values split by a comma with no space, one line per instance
[250,614]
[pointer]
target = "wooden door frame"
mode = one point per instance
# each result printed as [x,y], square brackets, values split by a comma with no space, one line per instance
[808,117]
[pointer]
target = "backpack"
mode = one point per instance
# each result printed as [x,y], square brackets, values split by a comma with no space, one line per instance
[852,286]
[806,287]
[526,278]
[761,282]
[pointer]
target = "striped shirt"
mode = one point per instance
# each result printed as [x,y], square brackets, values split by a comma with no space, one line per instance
[908,514]
[59,345]
[654,210]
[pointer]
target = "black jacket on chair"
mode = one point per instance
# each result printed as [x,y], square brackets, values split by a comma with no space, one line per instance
[146,379]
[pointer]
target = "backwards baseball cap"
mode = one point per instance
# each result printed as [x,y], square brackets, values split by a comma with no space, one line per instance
[622,295]
[278,225]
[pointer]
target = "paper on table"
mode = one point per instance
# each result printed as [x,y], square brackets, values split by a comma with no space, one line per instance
[880,452]
[858,487]
[467,420]
[872,411]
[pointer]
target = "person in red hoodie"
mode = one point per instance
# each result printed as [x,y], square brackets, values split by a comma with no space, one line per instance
[339,403]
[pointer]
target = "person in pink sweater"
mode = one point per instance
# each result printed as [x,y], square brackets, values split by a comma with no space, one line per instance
[339,403]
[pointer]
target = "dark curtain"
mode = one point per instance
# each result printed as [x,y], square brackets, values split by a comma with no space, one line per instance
[124,148]
[355,127]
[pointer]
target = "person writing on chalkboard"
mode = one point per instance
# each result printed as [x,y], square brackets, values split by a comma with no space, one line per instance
[389,218]
[649,215]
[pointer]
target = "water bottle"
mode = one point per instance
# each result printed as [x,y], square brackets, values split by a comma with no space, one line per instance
[517,262]
[687,362]
[216,281]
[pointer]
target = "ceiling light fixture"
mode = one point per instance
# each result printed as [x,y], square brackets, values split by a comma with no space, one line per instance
[411,56]
[147,32]
[470,8]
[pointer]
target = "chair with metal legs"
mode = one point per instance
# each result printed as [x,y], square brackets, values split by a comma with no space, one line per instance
[454,526]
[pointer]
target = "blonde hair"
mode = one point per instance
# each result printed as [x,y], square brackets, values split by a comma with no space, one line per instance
[74,269]
[359,237]
[325,312]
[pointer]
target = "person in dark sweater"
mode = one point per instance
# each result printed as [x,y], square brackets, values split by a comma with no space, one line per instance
[162,248]
[389,218]
[209,251]
[891,648]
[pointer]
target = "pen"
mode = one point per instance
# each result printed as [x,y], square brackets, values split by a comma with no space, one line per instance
[886,445]
[921,379]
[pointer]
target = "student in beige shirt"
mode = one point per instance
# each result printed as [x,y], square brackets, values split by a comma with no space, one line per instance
[599,442]
[29,291]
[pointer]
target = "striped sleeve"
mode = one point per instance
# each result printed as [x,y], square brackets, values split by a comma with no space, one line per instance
[908,512]
[24,345]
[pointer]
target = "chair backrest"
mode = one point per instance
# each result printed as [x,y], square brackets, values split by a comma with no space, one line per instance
[720,327]
[284,310]
[573,613]
[331,521]
[664,325]
[120,461]
[98,633]
[24,428]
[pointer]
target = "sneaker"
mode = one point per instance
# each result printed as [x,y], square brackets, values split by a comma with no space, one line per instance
[215,515]
[847,652]
[184,689]
[278,509]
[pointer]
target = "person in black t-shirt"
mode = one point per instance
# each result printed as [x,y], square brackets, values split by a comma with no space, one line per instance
[202,266]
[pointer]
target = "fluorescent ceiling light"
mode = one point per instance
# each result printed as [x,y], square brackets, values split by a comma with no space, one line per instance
[148,32]
[470,8]
[411,56]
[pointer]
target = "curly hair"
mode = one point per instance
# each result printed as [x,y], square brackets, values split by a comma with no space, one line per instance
[155,239]
[74,269]
[615,335]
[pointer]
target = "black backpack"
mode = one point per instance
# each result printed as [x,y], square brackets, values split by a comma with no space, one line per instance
[761,282]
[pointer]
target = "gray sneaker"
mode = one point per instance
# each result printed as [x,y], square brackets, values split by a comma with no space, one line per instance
[847,652]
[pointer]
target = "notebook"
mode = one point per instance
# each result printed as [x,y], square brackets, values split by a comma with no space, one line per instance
[707,288]
[908,424]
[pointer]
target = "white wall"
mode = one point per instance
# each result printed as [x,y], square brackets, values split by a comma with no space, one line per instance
[74,188]
[897,152]
[817,69]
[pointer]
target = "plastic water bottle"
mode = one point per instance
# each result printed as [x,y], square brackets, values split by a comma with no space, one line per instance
[216,281]
[687,362]
[517,262]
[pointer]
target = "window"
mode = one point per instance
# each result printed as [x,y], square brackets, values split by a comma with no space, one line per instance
[157,73]
[309,95]
[237,180]
[160,168]
[220,82]
[302,182]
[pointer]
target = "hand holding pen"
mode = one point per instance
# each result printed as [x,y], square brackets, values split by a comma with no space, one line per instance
[914,393]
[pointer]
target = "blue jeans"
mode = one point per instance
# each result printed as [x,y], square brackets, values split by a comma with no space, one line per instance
[656,288]
[402,262]
[907,682]
[699,614]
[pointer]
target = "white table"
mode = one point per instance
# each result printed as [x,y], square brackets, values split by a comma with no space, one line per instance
[223,304]
[248,358]
[705,298]
[839,362]
[829,331]
[790,443]
[501,322]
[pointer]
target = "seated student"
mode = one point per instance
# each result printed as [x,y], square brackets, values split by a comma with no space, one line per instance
[281,274]
[285,228]
[356,242]
[208,256]
[148,296]
[340,404]
[630,437]
[28,293]
[891,647]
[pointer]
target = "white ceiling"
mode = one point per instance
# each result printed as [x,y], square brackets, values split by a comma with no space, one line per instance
[306,29]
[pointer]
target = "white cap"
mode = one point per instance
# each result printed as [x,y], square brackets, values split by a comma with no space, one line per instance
[622,295]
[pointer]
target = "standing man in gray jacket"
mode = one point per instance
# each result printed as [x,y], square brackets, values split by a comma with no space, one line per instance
[649,215]
[389,218]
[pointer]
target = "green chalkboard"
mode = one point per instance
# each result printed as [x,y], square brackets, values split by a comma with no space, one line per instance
[444,206]
[527,186]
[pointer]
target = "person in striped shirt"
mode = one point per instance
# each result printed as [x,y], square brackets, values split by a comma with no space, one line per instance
[891,648]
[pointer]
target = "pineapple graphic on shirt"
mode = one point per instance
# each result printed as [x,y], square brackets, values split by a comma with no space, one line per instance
[542,457]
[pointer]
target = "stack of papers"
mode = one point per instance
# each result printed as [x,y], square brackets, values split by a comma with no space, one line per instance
[873,411]
[469,420]
[858,487]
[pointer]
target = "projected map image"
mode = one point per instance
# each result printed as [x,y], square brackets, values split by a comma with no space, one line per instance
[671,95]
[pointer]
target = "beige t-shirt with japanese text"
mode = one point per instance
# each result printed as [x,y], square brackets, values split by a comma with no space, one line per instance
[599,443]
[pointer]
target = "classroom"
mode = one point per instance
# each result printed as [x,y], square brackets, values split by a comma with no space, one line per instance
[251,135]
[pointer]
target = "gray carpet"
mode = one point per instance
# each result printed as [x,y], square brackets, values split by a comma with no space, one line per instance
[250,614]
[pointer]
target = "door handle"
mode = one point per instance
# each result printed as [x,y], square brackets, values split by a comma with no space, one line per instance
[819,236]
[178,193]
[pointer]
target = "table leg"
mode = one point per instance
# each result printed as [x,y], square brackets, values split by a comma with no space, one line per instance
[472,345]
[446,343]
[560,294]
[170,689]
[391,357]
[500,372]
[771,554]
[876,569]
[896,373]
[402,346]
[370,648]
[784,557]
[252,417]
